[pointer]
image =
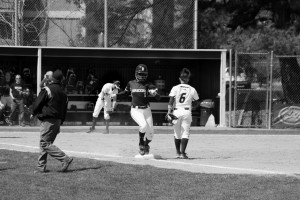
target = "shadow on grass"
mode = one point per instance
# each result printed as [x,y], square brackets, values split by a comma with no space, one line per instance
[83,169]
[4,169]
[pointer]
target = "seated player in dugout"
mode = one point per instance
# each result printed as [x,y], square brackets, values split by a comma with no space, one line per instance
[141,89]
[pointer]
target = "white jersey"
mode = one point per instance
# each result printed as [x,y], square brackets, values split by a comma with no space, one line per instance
[105,101]
[107,91]
[184,95]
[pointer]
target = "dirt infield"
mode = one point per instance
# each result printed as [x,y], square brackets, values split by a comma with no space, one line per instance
[261,152]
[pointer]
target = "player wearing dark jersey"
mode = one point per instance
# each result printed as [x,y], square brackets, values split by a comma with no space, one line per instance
[140,89]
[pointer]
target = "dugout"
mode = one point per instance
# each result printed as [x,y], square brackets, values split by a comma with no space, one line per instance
[207,67]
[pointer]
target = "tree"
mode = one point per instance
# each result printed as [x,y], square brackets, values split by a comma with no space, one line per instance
[267,26]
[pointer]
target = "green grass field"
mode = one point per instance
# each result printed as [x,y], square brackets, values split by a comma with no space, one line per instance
[94,179]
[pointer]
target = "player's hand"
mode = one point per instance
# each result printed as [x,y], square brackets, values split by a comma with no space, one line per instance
[167,116]
[152,92]
[31,117]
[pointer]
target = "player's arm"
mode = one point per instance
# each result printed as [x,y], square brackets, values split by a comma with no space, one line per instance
[195,102]
[170,104]
[124,92]
[170,108]
[11,94]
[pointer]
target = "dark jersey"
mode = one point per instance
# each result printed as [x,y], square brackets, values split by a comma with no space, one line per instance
[16,89]
[139,92]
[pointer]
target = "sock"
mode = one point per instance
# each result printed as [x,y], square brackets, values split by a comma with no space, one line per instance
[106,121]
[147,142]
[94,122]
[177,144]
[142,135]
[184,142]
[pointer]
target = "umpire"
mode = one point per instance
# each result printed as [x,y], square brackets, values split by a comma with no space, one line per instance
[50,107]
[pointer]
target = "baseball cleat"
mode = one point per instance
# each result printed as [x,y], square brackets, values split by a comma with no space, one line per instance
[91,130]
[142,149]
[147,149]
[66,165]
[184,156]
[177,155]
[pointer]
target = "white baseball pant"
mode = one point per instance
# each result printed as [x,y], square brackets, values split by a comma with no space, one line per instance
[182,127]
[143,117]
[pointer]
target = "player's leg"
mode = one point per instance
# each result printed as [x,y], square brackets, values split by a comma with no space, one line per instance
[21,113]
[185,125]
[177,137]
[177,134]
[97,109]
[150,130]
[106,121]
[138,116]
[13,110]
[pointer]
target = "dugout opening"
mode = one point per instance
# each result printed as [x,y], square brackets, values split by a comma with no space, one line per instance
[207,67]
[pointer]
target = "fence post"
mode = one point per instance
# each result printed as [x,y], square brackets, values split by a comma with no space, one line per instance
[195,32]
[105,24]
[235,88]
[230,87]
[271,89]
[16,31]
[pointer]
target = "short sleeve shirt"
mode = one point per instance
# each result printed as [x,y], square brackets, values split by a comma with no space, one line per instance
[139,92]
[107,90]
[184,95]
[16,88]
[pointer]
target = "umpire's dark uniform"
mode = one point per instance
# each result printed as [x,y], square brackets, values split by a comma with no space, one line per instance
[50,107]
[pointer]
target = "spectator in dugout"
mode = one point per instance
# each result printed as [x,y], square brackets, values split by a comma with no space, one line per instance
[16,93]
[6,99]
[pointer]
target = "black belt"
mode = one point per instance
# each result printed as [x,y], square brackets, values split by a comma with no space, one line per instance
[184,108]
[140,107]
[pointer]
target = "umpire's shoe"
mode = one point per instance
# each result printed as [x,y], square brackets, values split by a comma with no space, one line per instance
[142,149]
[91,129]
[66,165]
[147,149]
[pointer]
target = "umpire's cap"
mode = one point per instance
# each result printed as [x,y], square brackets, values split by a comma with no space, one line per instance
[117,84]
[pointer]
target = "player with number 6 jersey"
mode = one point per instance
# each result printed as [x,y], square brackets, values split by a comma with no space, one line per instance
[180,105]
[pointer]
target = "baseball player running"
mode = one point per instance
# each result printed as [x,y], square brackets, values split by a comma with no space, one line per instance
[140,89]
[105,100]
[180,105]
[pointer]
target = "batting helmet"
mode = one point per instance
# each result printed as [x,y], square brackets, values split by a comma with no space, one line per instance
[141,73]
[185,75]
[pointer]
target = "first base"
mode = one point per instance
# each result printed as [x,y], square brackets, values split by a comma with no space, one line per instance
[147,157]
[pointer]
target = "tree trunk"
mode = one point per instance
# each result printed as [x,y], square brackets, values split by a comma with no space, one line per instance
[290,78]
[163,20]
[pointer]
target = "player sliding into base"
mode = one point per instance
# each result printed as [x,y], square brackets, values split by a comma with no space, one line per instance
[107,100]
[140,89]
[180,105]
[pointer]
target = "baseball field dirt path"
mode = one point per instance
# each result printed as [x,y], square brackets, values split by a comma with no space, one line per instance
[215,150]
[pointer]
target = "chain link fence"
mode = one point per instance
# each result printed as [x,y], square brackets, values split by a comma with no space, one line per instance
[7,22]
[286,92]
[265,91]
[98,23]
[250,90]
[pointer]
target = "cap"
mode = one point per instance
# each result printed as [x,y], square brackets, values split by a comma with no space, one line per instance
[58,75]
[117,84]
